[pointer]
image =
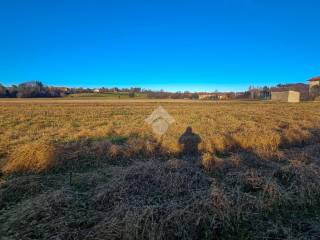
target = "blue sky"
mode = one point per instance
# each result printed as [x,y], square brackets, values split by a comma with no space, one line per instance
[173,45]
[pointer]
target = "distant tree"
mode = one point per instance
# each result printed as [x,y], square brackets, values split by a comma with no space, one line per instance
[265,93]
[194,96]
[13,91]
[30,89]
[3,91]
[136,89]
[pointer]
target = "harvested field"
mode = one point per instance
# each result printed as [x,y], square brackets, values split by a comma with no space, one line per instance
[94,169]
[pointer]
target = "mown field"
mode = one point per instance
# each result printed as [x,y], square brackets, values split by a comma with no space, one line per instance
[90,169]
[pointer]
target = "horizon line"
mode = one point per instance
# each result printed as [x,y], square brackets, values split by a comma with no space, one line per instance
[193,88]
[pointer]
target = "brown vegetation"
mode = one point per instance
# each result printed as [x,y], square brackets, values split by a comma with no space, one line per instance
[94,170]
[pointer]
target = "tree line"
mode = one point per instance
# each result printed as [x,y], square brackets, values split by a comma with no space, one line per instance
[34,89]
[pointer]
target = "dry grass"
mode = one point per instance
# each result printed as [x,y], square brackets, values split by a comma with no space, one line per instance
[222,126]
[38,156]
[257,175]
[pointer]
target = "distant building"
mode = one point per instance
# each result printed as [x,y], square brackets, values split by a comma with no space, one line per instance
[258,93]
[314,87]
[216,96]
[314,82]
[255,93]
[63,89]
[96,90]
[205,96]
[286,96]
[302,88]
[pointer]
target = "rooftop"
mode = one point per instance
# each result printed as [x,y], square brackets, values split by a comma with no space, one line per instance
[314,79]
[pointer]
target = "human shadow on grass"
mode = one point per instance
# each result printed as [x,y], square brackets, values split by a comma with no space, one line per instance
[190,142]
[80,154]
[189,145]
[175,197]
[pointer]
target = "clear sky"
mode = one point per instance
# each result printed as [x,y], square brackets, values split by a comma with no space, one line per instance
[169,44]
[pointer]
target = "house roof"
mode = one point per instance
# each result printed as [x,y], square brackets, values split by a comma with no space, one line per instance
[314,79]
[285,91]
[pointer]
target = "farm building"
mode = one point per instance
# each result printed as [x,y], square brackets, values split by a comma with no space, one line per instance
[314,87]
[216,96]
[302,88]
[286,96]
[314,82]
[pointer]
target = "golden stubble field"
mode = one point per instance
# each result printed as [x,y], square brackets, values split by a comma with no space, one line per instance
[95,170]
[256,126]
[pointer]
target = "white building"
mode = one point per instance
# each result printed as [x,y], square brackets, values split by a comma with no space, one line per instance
[285,96]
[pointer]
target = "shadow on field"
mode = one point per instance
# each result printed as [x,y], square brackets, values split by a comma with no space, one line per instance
[294,145]
[235,193]
[40,156]
[299,137]
[189,142]
[44,155]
